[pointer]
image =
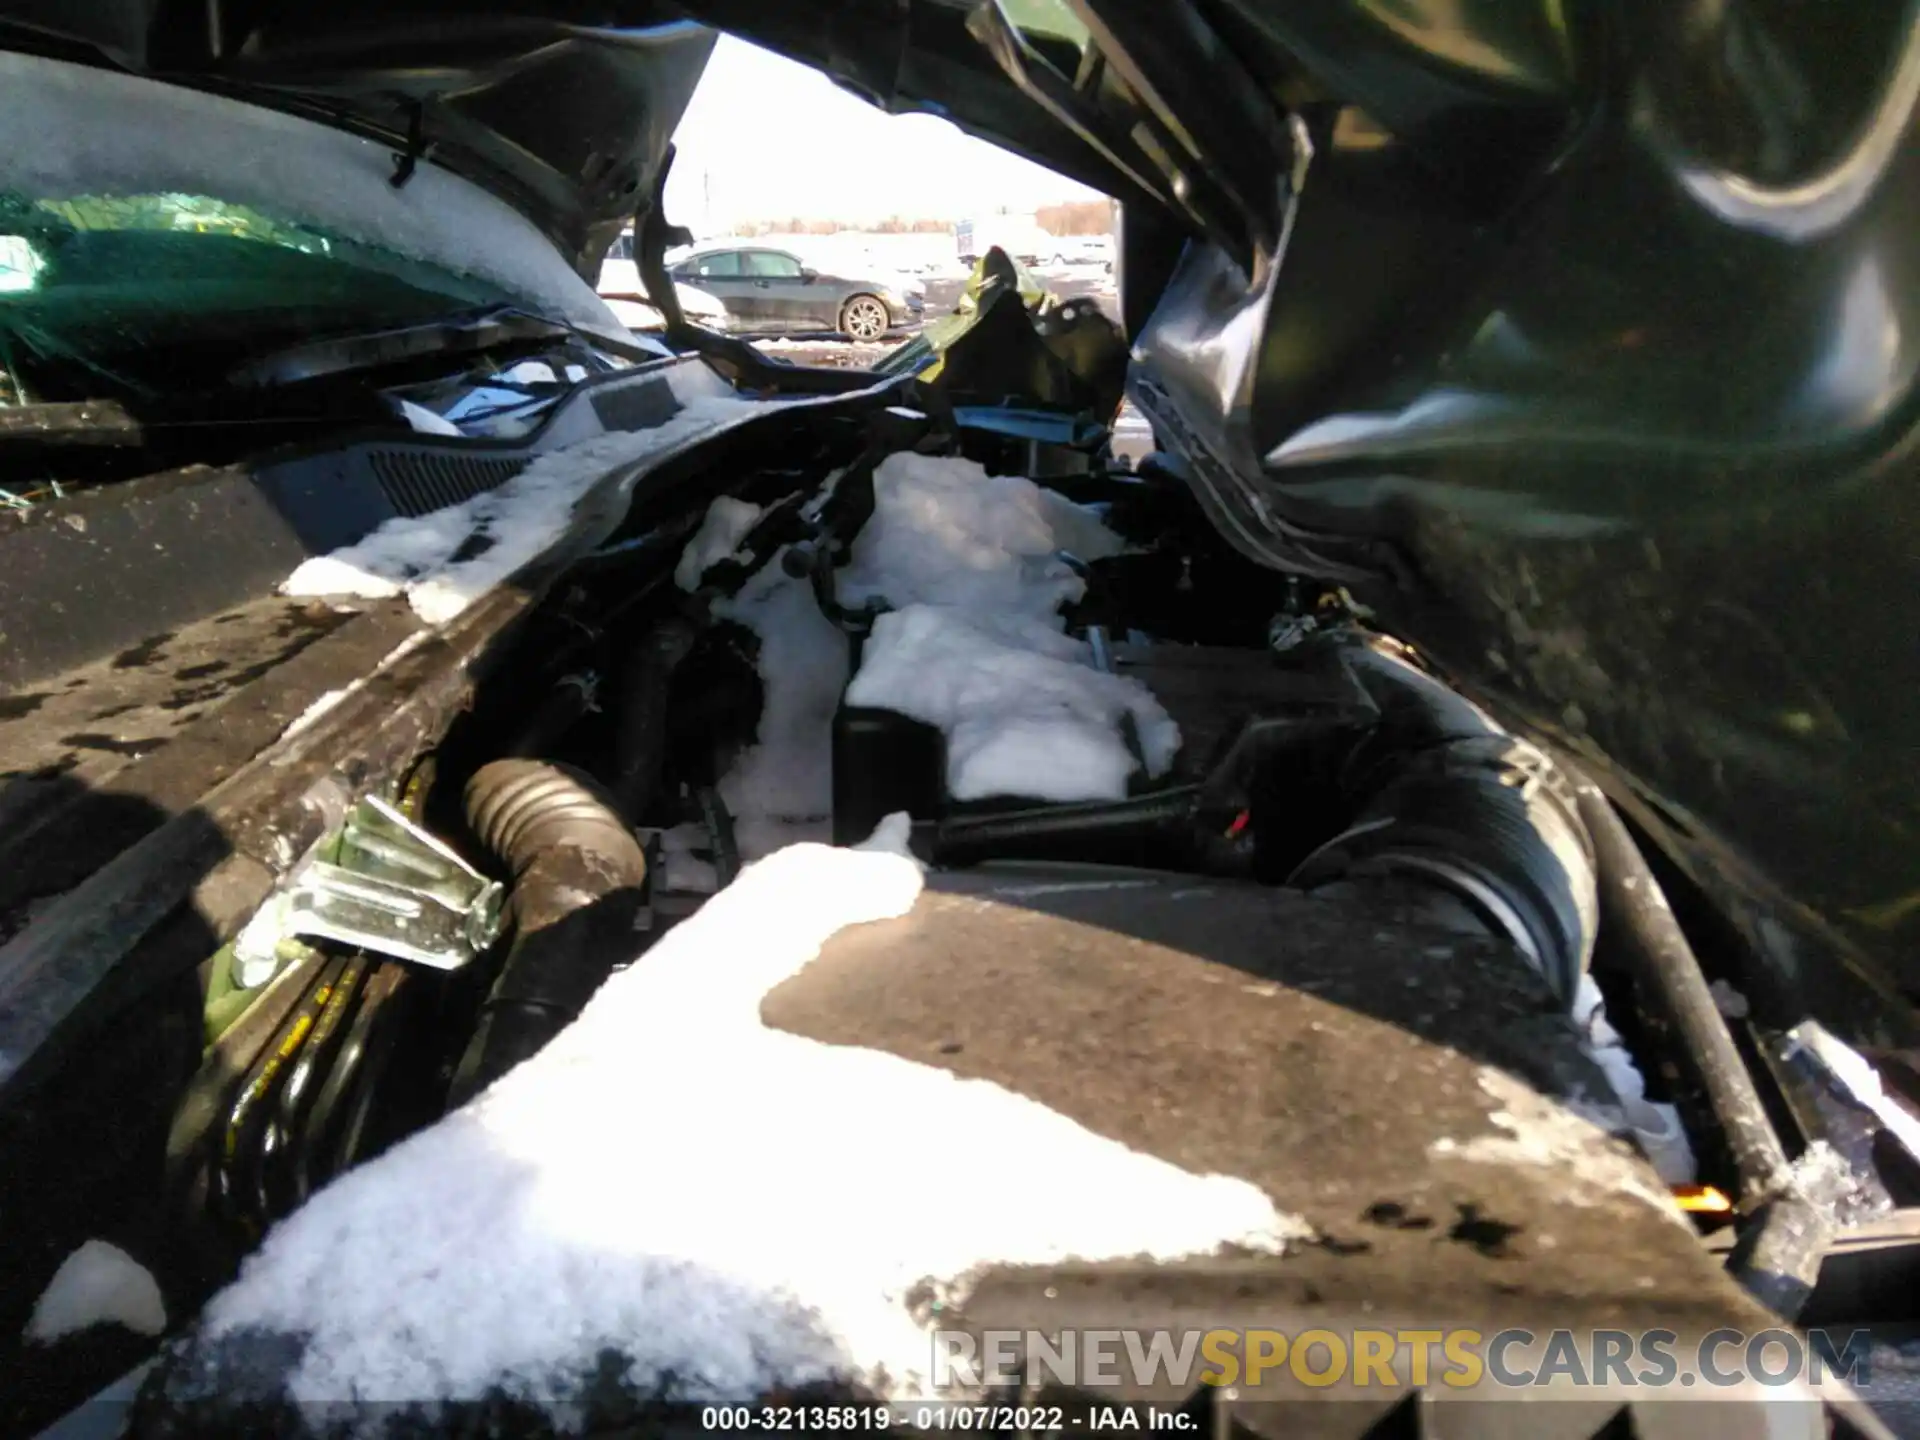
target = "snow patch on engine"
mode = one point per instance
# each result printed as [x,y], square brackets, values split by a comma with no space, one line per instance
[1022,708]
[729,1207]
[727,523]
[306,718]
[444,561]
[944,532]
[1591,1168]
[98,1284]
[780,790]
[972,566]
[1655,1124]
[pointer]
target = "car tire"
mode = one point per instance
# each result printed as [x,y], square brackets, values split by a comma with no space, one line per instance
[864,318]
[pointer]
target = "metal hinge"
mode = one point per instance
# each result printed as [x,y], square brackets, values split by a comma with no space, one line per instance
[386,886]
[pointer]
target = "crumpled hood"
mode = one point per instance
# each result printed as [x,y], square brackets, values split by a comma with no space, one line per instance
[1578,341]
[565,111]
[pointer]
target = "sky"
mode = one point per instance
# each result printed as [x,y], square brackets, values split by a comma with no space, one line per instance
[766,138]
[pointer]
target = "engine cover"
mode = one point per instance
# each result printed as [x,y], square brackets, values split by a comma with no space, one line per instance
[1415,1096]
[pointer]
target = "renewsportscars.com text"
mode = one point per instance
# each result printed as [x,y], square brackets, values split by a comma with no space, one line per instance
[1373,1359]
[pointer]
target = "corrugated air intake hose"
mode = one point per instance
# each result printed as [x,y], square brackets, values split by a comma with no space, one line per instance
[578,876]
[1455,806]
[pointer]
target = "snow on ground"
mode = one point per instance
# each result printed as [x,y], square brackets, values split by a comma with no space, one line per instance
[445,561]
[725,1205]
[98,1284]
[836,354]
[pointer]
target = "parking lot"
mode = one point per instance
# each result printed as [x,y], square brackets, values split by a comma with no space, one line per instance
[942,295]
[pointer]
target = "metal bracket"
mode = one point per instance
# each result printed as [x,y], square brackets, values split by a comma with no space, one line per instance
[389,887]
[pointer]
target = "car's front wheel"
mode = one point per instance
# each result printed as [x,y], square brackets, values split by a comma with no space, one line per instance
[863,317]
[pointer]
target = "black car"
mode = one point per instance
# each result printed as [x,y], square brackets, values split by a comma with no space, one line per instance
[769,292]
[551,880]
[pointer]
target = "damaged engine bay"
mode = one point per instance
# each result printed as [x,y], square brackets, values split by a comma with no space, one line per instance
[485,994]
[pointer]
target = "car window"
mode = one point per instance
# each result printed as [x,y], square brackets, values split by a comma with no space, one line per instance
[722,265]
[772,265]
[622,248]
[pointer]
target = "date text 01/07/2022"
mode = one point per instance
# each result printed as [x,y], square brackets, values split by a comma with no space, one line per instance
[938,1417]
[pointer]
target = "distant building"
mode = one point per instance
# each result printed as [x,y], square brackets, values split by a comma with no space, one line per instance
[1019,235]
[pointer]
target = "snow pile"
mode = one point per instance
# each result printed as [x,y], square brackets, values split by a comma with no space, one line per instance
[1655,1125]
[445,561]
[944,532]
[98,1284]
[972,565]
[687,868]
[1022,709]
[675,1181]
[727,524]
[780,791]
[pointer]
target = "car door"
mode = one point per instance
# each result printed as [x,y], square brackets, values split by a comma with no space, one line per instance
[790,301]
[720,274]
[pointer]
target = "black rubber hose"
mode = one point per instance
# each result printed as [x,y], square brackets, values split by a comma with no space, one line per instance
[578,877]
[719,822]
[1641,929]
[568,704]
[199,1119]
[1788,1229]
[1453,803]
[978,836]
[640,748]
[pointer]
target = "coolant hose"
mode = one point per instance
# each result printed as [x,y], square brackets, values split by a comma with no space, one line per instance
[1788,1228]
[577,886]
[1454,804]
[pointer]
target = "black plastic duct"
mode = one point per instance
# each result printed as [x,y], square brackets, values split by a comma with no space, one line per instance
[578,877]
[641,746]
[1451,803]
[966,838]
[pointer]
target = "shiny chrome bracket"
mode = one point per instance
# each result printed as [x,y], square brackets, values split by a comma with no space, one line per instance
[386,886]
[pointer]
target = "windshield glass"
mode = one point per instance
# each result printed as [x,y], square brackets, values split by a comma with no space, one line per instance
[147,294]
